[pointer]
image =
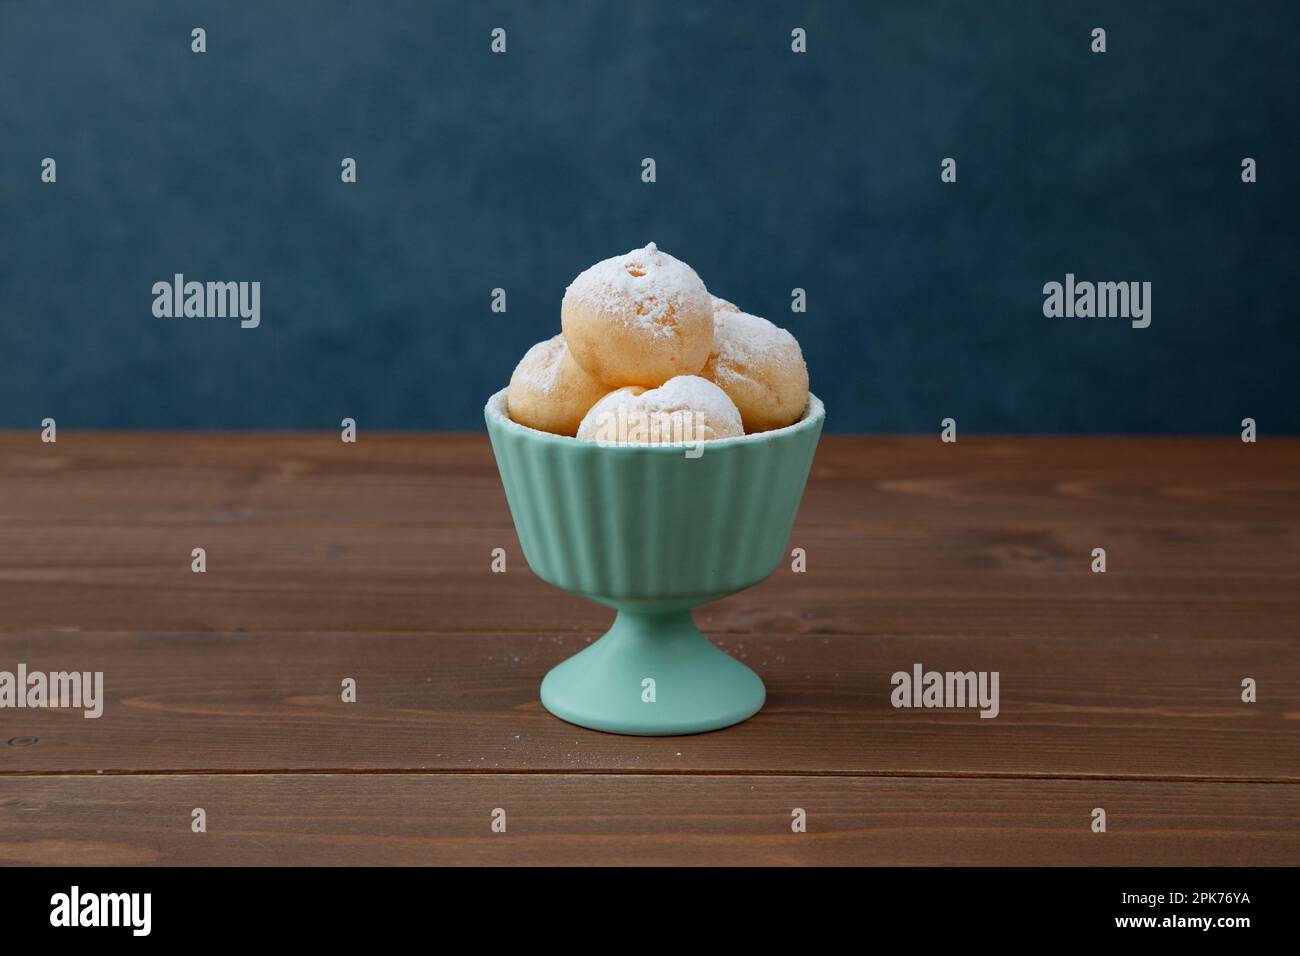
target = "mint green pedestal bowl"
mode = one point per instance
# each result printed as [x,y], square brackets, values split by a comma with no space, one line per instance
[653,532]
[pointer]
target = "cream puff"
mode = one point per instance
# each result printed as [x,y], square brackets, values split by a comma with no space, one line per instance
[638,319]
[549,391]
[760,367]
[684,410]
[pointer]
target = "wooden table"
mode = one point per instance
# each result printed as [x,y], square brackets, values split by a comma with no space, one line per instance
[325,561]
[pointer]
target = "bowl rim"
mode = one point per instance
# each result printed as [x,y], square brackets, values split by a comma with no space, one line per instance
[814,414]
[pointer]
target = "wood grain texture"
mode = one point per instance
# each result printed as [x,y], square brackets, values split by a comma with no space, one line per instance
[904,536]
[1139,707]
[372,561]
[639,819]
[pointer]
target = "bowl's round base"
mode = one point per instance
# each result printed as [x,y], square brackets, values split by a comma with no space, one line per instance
[652,674]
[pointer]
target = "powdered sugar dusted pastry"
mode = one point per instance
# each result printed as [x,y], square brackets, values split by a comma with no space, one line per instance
[638,319]
[685,409]
[595,425]
[549,391]
[722,305]
[761,367]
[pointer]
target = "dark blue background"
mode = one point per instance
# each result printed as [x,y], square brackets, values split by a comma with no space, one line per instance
[775,170]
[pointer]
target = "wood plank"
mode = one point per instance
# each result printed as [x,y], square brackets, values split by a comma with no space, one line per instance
[983,582]
[370,561]
[672,820]
[1140,706]
[422,479]
[988,537]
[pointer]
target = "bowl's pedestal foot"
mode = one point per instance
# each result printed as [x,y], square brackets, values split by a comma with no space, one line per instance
[652,673]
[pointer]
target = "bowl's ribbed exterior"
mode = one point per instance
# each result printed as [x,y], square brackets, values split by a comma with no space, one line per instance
[631,524]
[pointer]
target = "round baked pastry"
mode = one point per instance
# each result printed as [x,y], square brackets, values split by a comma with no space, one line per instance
[761,367]
[638,319]
[549,391]
[685,409]
[604,420]
[722,305]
